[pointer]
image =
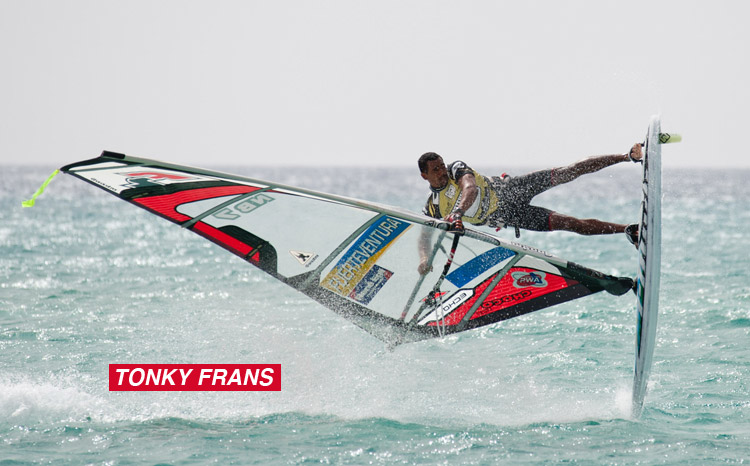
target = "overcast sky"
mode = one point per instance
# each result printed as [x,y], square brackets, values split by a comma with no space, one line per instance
[374,82]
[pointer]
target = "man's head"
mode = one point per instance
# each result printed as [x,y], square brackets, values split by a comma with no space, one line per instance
[433,170]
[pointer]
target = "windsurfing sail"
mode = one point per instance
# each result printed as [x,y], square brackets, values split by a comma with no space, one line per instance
[357,258]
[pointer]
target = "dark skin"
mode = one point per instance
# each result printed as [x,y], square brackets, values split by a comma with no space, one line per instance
[437,176]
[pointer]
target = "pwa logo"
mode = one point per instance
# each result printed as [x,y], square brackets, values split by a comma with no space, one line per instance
[527,279]
[145,179]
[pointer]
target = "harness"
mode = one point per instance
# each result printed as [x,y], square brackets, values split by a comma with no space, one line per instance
[443,201]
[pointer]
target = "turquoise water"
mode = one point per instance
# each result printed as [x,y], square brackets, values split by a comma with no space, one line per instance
[87,280]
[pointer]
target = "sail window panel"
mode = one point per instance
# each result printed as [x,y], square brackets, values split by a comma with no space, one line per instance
[303,230]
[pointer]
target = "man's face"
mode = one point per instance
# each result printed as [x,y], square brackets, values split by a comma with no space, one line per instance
[436,174]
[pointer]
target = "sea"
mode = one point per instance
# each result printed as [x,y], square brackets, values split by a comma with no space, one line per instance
[87,280]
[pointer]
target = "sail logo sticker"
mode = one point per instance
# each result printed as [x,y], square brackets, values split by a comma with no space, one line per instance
[304,258]
[527,279]
[151,178]
[245,206]
[370,285]
[361,256]
[510,298]
[448,306]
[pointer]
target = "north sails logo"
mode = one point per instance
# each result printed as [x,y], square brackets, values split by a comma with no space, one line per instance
[527,279]
[150,178]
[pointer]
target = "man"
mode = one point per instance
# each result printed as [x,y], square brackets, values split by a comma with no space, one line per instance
[460,194]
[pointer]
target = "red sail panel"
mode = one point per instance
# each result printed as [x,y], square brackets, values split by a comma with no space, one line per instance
[166,204]
[520,284]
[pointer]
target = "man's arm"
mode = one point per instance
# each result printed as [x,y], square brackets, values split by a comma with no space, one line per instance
[469,191]
[424,251]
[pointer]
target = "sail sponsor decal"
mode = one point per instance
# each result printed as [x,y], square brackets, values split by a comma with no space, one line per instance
[141,179]
[304,258]
[119,179]
[370,285]
[502,300]
[534,278]
[448,305]
[245,206]
[362,255]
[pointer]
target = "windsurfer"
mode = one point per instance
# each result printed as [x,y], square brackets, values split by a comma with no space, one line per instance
[460,194]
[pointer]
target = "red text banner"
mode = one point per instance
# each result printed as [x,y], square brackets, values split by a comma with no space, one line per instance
[194,377]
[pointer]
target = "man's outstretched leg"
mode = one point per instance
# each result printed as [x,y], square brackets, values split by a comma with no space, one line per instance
[592,226]
[593,164]
[583,226]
